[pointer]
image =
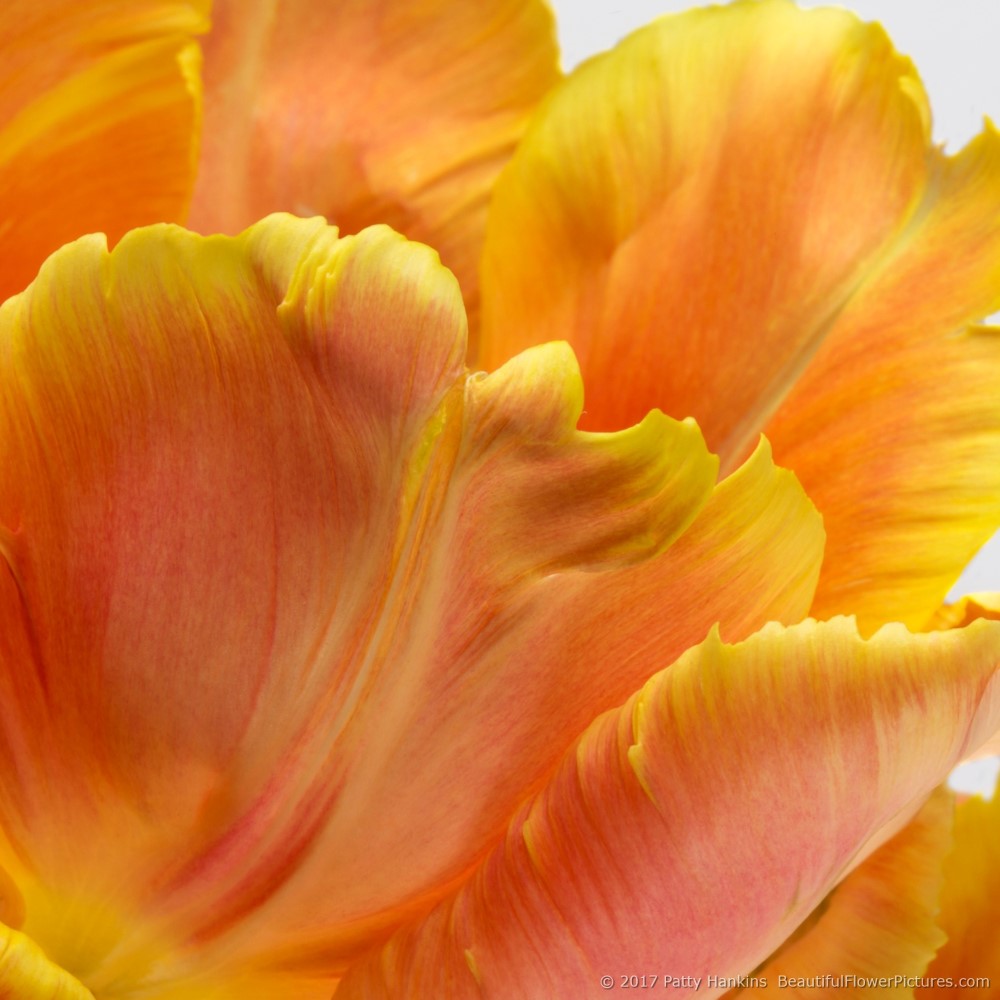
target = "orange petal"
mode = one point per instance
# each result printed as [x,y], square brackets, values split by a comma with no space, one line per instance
[280,572]
[970,905]
[99,107]
[895,442]
[400,112]
[879,925]
[690,832]
[741,219]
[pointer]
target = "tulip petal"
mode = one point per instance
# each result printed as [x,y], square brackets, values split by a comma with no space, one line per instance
[287,591]
[99,109]
[967,610]
[742,220]
[878,924]
[400,113]
[963,612]
[970,903]
[169,454]
[662,845]
[26,974]
[898,444]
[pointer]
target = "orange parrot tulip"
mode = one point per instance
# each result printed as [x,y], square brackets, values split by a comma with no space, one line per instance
[330,666]
[315,643]
[751,227]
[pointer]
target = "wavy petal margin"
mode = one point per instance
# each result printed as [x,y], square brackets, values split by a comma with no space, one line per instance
[693,830]
[742,220]
[400,112]
[296,610]
[970,904]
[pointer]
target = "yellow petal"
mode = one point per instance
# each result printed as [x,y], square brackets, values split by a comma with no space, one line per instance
[878,926]
[752,556]
[970,904]
[27,974]
[742,219]
[99,111]
[965,611]
[691,831]
[400,112]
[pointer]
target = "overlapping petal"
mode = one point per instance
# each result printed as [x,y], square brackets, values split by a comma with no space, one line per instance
[400,113]
[297,613]
[296,610]
[99,114]
[968,609]
[684,825]
[742,219]
[26,973]
[970,904]
[879,925]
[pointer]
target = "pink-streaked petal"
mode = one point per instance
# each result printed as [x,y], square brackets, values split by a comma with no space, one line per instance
[878,925]
[297,610]
[694,829]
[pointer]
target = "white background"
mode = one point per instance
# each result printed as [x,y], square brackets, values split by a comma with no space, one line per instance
[956,47]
